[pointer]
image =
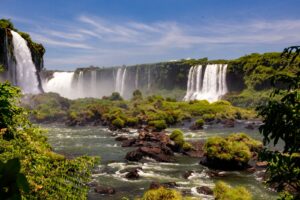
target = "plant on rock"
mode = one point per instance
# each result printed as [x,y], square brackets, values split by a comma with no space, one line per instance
[233,152]
[177,137]
[222,191]
[162,194]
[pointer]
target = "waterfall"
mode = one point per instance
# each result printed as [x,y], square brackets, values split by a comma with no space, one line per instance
[210,86]
[61,83]
[123,83]
[136,82]
[26,75]
[80,85]
[120,81]
[93,87]
[149,79]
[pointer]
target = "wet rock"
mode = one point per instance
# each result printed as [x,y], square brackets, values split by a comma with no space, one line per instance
[187,174]
[156,185]
[204,190]
[133,174]
[170,185]
[121,138]
[134,155]
[104,190]
[250,126]
[196,151]
[128,143]
[214,173]
[92,184]
[262,164]
[251,169]
[228,123]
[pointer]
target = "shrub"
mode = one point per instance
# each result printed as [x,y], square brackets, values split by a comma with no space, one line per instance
[137,95]
[162,194]
[253,144]
[158,124]
[199,123]
[115,96]
[222,191]
[132,121]
[187,146]
[118,123]
[208,117]
[177,137]
[222,149]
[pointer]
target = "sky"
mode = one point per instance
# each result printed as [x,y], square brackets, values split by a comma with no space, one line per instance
[124,32]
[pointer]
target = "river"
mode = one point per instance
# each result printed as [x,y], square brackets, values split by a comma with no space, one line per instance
[99,141]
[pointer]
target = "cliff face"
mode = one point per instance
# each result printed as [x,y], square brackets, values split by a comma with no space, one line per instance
[8,60]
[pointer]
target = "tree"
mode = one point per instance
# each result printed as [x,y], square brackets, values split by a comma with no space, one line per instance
[282,122]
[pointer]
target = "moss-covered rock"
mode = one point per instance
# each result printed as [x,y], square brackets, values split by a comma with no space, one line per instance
[222,191]
[118,123]
[158,125]
[232,152]
[162,194]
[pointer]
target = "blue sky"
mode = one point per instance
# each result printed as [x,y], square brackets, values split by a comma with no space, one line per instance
[115,32]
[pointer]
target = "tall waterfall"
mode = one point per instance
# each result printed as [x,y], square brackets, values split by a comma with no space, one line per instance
[61,83]
[93,86]
[206,82]
[120,81]
[26,76]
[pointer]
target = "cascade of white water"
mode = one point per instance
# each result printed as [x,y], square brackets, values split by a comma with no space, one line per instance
[123,83]
[80,85]
[149,79]
[137,78]
[211,87]
[61,83]
[93,88]
[118,84]
[26,76]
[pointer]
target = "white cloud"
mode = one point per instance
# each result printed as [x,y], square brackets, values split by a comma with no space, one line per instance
[110,40]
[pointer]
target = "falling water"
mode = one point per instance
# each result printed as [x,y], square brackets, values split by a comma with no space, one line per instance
[93,87]
[61,83]
[211,87]
[120,81]
[149,79]
[136,78]
[26,76]
[123,83]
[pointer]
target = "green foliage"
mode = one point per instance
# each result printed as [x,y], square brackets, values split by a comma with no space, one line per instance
[162,194]
[132,121]
[115,96]
[9,98]
[158,124]
[222,191]
[6,23]
[137,95]
[12,182]
[234,148]
[199,123]
[208,117]
[50,175]
[282,122]
[178,138]
[118,123]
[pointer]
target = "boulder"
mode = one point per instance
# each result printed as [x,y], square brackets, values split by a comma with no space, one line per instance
[104,190]
[262,164]
[135,155]
[156,185]
[228,123]
[204,190]
[187,174]
[132,174]
[121,138]
[128,143]
[250,126]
